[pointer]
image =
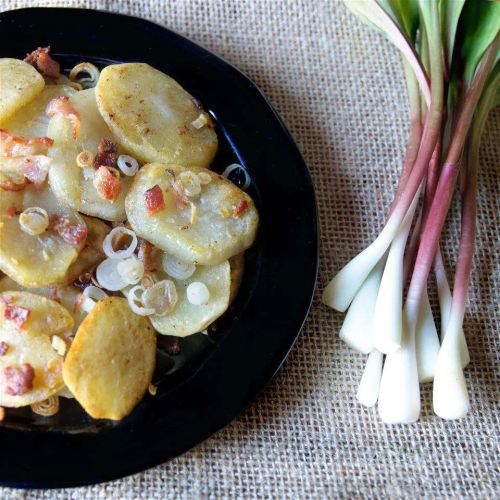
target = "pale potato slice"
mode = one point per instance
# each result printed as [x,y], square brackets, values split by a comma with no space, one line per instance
[32,345]
[46,315]
[65,176]
[68,296]
[111,361]
[19,84]
[10,200]
[31,120]
[151,115]
[217,233]
[92,252]
[237,264]
[187,318]
[37,261]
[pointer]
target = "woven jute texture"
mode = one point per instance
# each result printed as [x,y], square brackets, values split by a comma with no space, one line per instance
[340,89]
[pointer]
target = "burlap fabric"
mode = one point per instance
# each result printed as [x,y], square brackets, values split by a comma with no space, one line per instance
[340,89]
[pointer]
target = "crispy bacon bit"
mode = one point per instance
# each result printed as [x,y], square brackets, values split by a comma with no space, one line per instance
[107,154]
[241,208]
[17,314]
[180,198]
[35,169]
[107,184]
[10,185]
[43,62]
[154,200]
[11,211]
[146,255]
[182,130]
[70,232]
[4,347]
[16,145]
[19,380]
[61,106]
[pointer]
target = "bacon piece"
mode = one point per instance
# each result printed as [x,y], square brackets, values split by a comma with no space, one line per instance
[35,169]
[180,198]
[43,62]
[17,314]
[241,208]
[107,154]
[154,200]
[145,254]
[71,233]
[107,184]
[4,347]
[11,211]
[19,380]
[16,145]
[62,106]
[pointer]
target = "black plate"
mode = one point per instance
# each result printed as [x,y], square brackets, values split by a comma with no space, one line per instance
[214,377]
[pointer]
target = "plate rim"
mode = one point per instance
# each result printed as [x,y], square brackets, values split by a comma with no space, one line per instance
[276,364]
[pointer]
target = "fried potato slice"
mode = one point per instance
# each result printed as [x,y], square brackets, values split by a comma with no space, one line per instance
[32,345]
[219,231]
[19,84]
[237,264]
[92,252]
[68,296]
[111,361]
[66,178]
[31,120]
[37,261]
[46,315]
[152,115]
[187,318]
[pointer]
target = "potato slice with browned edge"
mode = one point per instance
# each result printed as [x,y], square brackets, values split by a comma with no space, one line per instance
[19,84]
[92,253]
[67,179]
[152,116]
[68,296]
[111,361]
[187,318]
[225,217]
[31,344]
[37,260]
[31,120]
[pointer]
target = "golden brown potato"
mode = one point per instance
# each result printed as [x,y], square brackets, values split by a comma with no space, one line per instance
[31,120]
[225,217]
[30,343]
[37,260]
[111,361]
[66,178]
[92,252]
[188,318]
[19,84]
[152,115]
